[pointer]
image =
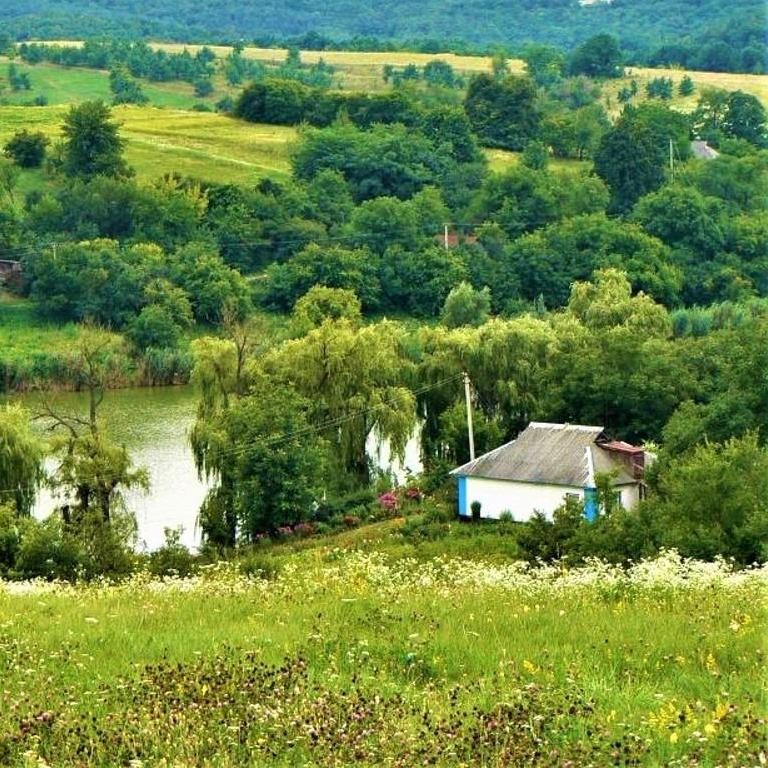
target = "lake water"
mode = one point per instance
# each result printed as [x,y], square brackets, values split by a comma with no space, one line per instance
[153,424]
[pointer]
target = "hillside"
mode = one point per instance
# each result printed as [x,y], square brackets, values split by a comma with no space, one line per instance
[560,22]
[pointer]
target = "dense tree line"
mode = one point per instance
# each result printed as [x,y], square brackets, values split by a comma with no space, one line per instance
[706,33]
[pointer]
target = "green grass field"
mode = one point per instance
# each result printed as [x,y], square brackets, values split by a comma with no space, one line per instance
[205,145]
[346,658]
[362,70]
[72,85]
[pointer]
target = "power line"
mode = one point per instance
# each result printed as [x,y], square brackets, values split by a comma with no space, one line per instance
[315,428]
[278,439]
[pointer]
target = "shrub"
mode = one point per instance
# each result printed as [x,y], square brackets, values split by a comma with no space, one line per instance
[27,149]
[475,506]
[47,551]
[260,566]
[173,558]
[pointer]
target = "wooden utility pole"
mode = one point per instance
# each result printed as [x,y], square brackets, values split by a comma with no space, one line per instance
[470,431]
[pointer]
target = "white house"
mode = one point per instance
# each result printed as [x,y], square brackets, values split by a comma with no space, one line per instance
[545,464]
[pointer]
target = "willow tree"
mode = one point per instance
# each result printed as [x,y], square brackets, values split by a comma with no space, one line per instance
[92,472]
[506,361]
[356,380]
[225,371]
[21,459]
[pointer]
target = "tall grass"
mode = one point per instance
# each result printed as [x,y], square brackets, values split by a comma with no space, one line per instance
[355,659]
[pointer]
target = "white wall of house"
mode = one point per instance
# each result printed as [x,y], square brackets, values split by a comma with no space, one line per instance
[523,499]
[630,495]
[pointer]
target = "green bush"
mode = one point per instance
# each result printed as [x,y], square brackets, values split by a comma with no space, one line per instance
[47,551]
[173,558]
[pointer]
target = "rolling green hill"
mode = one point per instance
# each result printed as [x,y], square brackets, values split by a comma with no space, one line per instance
[640,24]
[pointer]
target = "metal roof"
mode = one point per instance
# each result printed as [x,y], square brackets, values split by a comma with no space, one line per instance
[551,454]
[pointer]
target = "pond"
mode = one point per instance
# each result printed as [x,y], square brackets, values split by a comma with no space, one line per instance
[153,424]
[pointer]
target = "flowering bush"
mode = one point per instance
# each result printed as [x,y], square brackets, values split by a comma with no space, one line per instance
[389,502]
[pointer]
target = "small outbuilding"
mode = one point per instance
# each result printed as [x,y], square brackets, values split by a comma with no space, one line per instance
[546,464]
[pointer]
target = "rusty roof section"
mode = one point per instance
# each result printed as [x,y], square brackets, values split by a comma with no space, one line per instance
[551,454]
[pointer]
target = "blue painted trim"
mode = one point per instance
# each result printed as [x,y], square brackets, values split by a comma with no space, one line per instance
[591,510]
[463,495]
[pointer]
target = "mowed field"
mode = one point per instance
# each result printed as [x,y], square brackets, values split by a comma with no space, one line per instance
[362,70]
[330,657]
[203,145]
[72,85]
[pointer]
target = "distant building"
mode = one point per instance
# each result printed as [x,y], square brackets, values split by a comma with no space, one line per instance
[544,465]
[10,273]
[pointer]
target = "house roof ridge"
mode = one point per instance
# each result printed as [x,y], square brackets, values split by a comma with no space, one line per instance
[565,426]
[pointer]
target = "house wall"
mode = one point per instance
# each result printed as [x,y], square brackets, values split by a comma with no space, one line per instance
[522,499]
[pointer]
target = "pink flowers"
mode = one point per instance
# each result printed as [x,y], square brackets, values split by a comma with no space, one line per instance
[389,501]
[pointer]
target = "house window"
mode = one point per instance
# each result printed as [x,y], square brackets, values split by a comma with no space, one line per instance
[617,499]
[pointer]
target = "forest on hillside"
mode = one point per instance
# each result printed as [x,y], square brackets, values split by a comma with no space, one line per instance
[699,34]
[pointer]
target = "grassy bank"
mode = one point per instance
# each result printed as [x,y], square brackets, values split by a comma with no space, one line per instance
[357,659]
[35,353]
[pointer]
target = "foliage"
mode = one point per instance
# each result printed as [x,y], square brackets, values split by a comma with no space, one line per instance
[598,57]
[92,144]
[632,156]
[712,500]
[466,306]
[125,89]
[366,396]
[27,148]
[503,113]
[320,303]
[21,460]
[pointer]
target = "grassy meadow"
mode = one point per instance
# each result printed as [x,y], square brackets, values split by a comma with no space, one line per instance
[204,145]
[362,70]
[73,85]
[335,657]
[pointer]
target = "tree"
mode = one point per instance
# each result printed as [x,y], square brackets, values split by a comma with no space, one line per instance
[21,459]
[599,56]
[331,266]
[92,144]
[27,148]
[547,262]
[212,286]
[503,113]
[366,395]
[277,460]
[465,305]
[713,500]
[535,156]
[125,89]
[203,87]
[686,87]
[660,88]
[320,303]
[545,64]
[92,472]
[9,177]
[439,73]
[633,155]
[154,327]
[745,118]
